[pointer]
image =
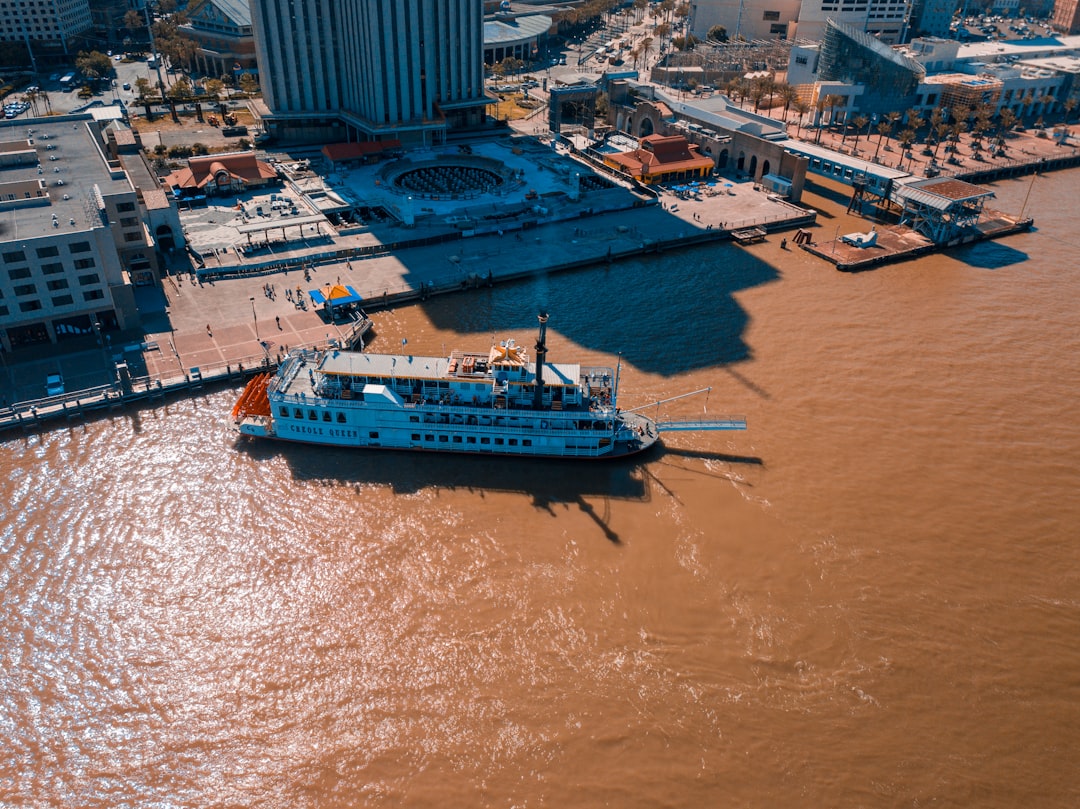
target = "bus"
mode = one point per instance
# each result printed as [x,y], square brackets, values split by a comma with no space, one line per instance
[67,82]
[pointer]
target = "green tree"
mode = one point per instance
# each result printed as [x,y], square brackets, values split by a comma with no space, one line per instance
[94,65]
[146,94]
[250,85]
[134,22]
[717,33]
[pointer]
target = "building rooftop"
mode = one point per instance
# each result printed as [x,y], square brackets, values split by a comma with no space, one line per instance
[512,31]
[71,163]
[718,112]
[1024,48]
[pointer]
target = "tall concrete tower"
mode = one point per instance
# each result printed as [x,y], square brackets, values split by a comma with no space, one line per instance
[407,69]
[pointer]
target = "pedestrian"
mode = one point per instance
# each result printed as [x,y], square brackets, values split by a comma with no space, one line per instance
[783,244]
[208,332]
[277,319]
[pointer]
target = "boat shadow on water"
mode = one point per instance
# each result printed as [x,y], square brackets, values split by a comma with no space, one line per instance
[548,483]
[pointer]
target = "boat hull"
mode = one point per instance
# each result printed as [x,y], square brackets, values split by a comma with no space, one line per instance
[520,433]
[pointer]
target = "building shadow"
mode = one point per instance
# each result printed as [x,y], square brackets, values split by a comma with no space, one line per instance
[666,313]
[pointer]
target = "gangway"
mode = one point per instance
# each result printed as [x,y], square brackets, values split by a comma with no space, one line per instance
[694,425]
[731,423]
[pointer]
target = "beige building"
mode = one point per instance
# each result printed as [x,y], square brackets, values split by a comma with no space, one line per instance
[73,238]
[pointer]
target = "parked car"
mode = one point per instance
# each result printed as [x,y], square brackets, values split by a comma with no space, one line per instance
[54,385]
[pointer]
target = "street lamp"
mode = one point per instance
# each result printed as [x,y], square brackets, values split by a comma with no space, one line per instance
[254,316]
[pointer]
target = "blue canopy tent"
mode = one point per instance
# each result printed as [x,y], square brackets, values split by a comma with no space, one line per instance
[335,297]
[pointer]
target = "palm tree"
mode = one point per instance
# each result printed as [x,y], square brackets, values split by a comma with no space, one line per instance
[859,122]
[1006,120]
[883,128]
[789,95]
[1068,105]
[906,138]
[941,129]
[757,92]
[801,107]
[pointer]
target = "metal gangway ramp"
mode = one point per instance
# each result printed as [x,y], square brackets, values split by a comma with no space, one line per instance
[693,425]
[729,423]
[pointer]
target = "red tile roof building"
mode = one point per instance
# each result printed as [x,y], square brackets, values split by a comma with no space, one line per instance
[222,174]
[662,159]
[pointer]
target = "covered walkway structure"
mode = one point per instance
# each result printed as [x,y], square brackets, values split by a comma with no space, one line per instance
[876,180]
[943,208]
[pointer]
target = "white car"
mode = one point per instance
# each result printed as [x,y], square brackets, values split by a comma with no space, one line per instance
[54,385]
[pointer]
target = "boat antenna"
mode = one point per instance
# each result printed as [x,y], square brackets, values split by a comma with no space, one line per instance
[615,393]
[541,354]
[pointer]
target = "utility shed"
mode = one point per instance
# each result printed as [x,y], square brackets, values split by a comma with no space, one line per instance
[941,208]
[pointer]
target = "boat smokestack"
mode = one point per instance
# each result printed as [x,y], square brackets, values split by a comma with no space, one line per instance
[541,354]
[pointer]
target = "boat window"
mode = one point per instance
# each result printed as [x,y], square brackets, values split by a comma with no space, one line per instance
[444,439]
[373,434]
[457,439]
[415,436]
[414,419]
[340,418]
[312,415]
[326,415]
[298,413]
[470,439]
[513,442]
[499,441]
[485,440]
[284,412]
[526,442]
[429,437]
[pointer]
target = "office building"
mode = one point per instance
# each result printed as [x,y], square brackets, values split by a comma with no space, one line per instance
[770,19]
[73,239]
[221,29]
[47,24]
[370,69]
[885,20]
[887,77]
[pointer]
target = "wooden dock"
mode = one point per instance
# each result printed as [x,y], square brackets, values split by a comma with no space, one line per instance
[901,243]
[748,235]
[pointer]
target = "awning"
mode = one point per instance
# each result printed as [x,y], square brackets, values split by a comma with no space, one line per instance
[336,295]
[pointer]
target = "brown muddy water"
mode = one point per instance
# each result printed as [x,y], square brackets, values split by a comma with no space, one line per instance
[869,598]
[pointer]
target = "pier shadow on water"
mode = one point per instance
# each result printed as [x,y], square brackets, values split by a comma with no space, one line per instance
[990,255]
[666,314]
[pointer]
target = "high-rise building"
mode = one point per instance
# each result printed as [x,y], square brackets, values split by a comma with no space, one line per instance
[108,20]
[1066,18]
[744,19]
[886,20]
[362,69]
[48,23]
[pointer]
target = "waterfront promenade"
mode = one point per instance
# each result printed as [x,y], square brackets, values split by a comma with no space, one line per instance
[227,327]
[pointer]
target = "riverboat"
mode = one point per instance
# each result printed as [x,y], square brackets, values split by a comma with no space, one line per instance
[497,402]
